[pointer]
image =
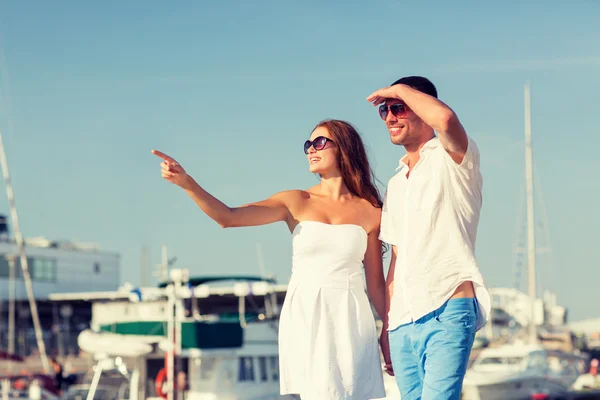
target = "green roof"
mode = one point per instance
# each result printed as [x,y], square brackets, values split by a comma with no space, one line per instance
[200,280]
[194,334]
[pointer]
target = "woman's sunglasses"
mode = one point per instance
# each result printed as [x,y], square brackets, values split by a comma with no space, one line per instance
[319,143]
[398,110]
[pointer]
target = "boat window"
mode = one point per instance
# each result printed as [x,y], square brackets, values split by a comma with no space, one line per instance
[262,365]
[205,367]
[537,360]
[274,368]
[500,361]
[246,371]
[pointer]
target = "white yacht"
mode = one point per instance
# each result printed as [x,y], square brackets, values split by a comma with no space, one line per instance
[218,342]
[516,371]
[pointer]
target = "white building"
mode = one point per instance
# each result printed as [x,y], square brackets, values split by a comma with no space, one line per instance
[590,328]
[53,267]
[518,305]
[59,267]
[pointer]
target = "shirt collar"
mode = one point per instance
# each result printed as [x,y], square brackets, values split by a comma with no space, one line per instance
[430,144]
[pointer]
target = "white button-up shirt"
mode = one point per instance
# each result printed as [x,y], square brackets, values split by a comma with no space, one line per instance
[432,217]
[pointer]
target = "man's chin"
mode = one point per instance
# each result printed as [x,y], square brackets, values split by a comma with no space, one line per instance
[397,140]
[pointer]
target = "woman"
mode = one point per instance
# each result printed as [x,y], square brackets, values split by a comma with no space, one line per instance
[327,335]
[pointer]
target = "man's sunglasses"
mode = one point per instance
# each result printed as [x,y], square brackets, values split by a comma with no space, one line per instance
[319,143]
[398,110]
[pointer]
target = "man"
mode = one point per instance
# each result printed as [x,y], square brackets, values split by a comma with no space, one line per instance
[58,374]
[436,296]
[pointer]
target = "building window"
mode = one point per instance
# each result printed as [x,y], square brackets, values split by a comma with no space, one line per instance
[40,269]
[274,368]
[496,300]
[262,368]
[246,372]
[5,266]
[96,268]
[43,269]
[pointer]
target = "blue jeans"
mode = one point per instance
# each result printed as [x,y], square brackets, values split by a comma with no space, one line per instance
[430,355]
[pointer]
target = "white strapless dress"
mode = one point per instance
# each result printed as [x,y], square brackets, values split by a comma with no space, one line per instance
[328,345]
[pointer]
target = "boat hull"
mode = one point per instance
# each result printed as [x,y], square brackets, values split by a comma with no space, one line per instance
[516,389]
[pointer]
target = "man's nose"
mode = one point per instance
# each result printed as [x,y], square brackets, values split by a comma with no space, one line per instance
[389,117]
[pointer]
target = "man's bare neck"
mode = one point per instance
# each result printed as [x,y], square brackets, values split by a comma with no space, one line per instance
[413,151]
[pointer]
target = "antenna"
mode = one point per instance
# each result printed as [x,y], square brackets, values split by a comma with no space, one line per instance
[261,263]
[163,272]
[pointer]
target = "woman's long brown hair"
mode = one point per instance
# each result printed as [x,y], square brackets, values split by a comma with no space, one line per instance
[353,161]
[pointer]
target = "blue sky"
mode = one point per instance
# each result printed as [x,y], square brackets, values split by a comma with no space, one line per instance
[232,90]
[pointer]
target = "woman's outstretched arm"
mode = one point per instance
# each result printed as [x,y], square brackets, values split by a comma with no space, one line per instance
[273,209]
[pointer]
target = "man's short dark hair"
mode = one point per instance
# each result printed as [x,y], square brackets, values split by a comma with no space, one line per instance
[418,83]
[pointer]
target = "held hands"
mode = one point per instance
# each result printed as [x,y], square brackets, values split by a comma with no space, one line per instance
[384,342]
[172,171]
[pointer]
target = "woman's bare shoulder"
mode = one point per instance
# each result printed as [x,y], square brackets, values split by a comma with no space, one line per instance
[292,199]
[372,215]
[292,194]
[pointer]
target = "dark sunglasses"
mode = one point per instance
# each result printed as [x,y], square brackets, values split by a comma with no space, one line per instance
[319,143]
[398,110]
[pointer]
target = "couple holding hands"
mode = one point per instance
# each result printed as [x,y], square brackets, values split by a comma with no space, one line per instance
[434,298]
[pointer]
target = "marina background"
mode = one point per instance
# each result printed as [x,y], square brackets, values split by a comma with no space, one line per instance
[233,90]
[89,90]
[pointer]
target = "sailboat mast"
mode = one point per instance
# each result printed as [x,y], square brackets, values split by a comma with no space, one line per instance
[26,277]
[11,304]
[530,214]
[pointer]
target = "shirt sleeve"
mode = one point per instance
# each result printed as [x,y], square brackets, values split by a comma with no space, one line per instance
[471,161]
[466,177]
